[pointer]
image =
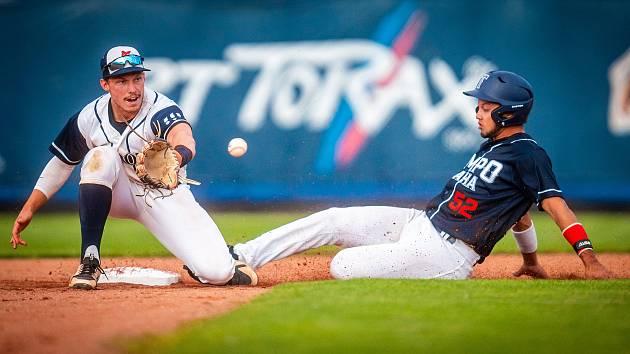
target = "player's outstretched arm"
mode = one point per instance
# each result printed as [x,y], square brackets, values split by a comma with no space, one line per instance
[33,203]
[525,236]
[53,177]
[181,135]
[575,234]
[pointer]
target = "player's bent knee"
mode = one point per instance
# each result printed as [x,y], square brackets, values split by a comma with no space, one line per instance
[214,274]
[340,268]
[100,166]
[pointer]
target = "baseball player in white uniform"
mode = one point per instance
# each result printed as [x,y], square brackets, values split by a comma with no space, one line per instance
[105,136]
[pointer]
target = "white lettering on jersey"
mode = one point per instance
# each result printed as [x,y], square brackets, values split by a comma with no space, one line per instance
[491,171]
[480,164]
[465,178]
[458,176]
[472,183]
[473,161]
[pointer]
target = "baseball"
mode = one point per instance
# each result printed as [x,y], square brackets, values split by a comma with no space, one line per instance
[237,147]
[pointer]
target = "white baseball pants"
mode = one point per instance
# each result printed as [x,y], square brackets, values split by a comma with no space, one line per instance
[177,221]
[379,242]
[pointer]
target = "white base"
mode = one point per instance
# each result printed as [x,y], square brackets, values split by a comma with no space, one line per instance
[138,275]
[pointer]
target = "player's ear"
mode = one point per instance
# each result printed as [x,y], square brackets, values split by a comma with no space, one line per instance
[104,84]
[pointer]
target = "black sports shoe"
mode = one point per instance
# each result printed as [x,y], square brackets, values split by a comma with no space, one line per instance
[243,275]
[87,274]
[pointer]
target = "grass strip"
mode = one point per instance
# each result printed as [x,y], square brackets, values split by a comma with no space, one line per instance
[58,234]
[416,316]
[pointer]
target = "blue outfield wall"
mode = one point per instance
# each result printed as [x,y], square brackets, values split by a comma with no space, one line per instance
[338,100]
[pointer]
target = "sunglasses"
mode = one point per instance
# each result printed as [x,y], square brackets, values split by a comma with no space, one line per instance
[119,63]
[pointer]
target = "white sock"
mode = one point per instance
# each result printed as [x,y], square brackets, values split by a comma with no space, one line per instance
[92,250]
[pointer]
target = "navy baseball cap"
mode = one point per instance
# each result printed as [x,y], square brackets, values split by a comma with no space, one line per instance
[122,60]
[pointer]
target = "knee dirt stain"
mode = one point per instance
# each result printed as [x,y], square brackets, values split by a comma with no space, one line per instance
[94,163]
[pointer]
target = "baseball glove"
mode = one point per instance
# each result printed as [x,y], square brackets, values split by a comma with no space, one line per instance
[157,166]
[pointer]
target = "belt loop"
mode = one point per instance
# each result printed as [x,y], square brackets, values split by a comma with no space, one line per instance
[446,236]
[450,239]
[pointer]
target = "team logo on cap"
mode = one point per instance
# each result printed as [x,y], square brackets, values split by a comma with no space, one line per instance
[124,53]
[483,78]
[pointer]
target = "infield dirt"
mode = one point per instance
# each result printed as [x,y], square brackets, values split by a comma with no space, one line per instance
[39,314]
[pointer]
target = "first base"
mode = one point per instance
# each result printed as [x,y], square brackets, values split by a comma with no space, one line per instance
[138,275]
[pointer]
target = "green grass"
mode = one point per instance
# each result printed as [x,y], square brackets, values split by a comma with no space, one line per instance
[416,316]
[383,316]
[58,235]
[610,232]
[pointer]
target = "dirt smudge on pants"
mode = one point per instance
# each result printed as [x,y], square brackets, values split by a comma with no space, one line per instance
[95,162]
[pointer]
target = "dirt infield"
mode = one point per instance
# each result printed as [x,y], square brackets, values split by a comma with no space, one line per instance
[39,314]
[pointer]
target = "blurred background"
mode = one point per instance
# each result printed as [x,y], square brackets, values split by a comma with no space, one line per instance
[340,101]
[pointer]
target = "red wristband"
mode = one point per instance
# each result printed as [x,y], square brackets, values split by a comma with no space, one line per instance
[577,237]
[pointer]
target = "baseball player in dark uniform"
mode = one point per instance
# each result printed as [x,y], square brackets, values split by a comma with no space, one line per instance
[491,194]
[106,136]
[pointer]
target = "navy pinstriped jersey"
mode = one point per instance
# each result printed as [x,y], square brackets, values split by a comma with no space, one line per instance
[493,191]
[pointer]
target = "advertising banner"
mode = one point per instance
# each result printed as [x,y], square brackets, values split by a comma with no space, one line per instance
[338,100]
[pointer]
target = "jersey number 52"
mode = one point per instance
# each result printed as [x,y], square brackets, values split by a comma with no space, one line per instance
[463,205]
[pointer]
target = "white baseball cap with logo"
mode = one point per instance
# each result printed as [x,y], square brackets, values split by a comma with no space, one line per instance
[122,60]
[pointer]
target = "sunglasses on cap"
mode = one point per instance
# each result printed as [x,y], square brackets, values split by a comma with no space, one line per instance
[119,63]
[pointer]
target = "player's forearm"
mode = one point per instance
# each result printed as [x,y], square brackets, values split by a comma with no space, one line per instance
[185,140]
[182,135]
[577,237]
[182,139]
[35,201]
[572,230]
[53,177]
[559,212]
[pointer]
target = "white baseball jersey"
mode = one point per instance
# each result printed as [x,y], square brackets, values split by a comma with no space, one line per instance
[174,217]
[95,126]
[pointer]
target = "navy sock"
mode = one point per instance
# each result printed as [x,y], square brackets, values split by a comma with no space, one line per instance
[95,201]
